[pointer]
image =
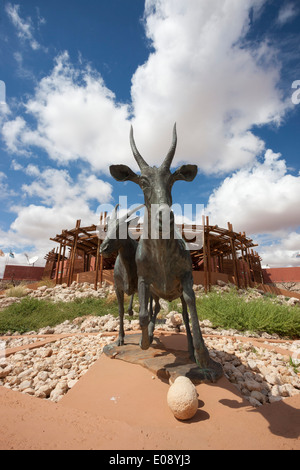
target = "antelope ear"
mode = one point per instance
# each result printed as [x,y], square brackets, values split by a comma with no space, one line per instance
[123,173]
[185,172]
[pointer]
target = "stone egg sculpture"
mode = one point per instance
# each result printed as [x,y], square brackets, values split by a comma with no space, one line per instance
[182,398]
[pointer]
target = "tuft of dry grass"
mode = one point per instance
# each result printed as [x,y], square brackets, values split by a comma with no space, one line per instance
[17,291]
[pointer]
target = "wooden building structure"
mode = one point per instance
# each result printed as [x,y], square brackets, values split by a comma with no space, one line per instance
[225,255]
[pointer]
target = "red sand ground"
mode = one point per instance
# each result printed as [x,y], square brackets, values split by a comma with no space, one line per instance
[121,406]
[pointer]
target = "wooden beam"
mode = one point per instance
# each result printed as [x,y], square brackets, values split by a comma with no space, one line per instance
[204,255]
[63,264]
[57,265]
[234,259]
[99,258]
[244,268]
[73,253]
[97,264]
[208,254]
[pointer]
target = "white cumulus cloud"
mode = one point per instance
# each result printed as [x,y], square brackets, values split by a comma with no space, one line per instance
[261,198]
[76,116]
[205,76]
[202,73]
[24,27]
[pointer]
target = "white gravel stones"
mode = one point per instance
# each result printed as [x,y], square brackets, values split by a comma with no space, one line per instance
[61,293]
[50,371]
[174,320]
[261,375]
[182,398]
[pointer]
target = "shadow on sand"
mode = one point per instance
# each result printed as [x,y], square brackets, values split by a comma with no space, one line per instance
[167,357]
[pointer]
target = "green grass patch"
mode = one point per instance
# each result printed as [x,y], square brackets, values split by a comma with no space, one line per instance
[32,314]
[226,310]
[230,310]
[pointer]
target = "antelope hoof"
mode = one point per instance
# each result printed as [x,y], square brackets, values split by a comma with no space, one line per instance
[120,342]
[145,342]
[212,370]
[151,333]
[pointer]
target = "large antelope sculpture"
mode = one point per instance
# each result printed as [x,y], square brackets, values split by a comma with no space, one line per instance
[164,265]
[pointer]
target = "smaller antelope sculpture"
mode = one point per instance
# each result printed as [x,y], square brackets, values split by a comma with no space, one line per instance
[125,270]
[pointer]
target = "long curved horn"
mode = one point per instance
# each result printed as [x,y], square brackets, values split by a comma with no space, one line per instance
[132,211]
[139,159]
[114,214]
[170,155]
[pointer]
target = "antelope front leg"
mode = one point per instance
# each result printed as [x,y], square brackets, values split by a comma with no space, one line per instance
[130,311]
[143,290]
[211,370]
[120,297]
[200,350]
[185,317]
[153,316]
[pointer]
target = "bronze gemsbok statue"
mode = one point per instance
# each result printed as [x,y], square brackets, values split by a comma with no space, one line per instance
[164,264]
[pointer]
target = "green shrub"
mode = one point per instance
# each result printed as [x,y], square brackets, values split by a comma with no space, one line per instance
[230,310]
[18,291]
[225,310]
[33,314]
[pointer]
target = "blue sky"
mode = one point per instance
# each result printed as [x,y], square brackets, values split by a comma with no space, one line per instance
[78,74]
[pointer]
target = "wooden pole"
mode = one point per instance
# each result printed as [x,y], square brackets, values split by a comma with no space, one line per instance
[204,254]
[98,256]
[97,263]
[101,269]
[73,253]
[63,264]
[208,254]
[58,262]
[244,266]
[250,267]
[101,256]
[235,266]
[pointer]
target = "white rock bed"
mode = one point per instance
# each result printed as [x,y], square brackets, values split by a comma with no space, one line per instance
[50,371]
[60,293]
[17,342]
[260,374]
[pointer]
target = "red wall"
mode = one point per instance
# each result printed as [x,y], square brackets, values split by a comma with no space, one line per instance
[23,273]
[281,275]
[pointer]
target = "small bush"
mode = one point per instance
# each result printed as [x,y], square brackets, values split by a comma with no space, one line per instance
[18,291]
[46,282]
[230,310]
[32,314]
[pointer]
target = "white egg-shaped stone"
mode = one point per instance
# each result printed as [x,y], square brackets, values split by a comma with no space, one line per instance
[182,398]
